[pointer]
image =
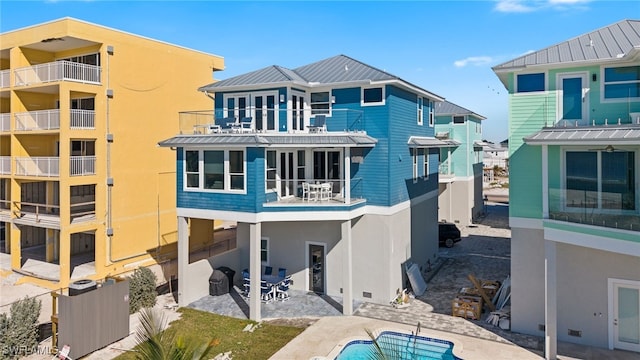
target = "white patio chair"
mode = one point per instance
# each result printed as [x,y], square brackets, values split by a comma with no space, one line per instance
[325,191]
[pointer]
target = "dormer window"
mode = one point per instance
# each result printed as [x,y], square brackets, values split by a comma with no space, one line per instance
[372,96]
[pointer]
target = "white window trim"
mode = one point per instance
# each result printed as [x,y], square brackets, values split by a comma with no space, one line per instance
[331,100]
[464,121]
[225,101]
[377,103]
[266,167]
[227,174]
[602,84]
[432,113]
[415,164]
[420,109]
[515,83]
[266,263]
[426,164]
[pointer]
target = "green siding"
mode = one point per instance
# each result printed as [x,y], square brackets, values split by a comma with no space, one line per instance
[528,114]
[590,230]
[525,182]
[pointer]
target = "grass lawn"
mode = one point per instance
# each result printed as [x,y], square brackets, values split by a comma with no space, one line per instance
[200,326]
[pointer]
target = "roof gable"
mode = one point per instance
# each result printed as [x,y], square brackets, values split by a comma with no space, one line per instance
[270,75]
[449,108]
[341,68]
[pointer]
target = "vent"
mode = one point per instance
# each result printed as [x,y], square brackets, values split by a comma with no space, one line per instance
[541,327]
[110,93]
[576,333]
[340,290]
[110,137]
[109,231]
[110,181]
[366,294]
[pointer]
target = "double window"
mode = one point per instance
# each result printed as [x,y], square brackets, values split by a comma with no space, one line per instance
[600,180]
[432,113]
[426,164]
[220,170]
[320,103]
[622,82]
[420,110]
[530,82]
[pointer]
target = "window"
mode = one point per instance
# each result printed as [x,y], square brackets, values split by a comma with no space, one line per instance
[320,103]
[622,82]
[530,82]
[301,165]
[271,170]
[372,96]
[420,110]
[432,115]
[192,169]
[91,59]
[600,180]
[222,170]
[458,119]
[264,251]
[426,164]
[415,164]
[83,104]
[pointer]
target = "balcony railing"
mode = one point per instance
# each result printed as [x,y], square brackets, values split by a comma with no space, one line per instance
[37,211]
[5,122]
[38,120]
[5,76]
[57,71]
[611,210]
[293,191]
[82,119]
[443,168]
[270,120]
[38,166]
[82,165]
[5,165]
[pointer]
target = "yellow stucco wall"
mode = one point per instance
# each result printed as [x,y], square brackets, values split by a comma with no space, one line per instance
[151,82]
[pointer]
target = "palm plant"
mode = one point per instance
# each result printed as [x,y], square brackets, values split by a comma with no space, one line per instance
[383,349]
[156,344]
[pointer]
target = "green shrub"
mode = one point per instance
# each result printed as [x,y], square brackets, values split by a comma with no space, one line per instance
[142,289]
[19,330]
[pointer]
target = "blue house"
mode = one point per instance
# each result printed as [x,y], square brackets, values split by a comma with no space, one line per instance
[460,163]
[330,170]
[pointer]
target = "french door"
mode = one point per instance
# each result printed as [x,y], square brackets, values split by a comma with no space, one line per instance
[316,267]
[297,112]
[625,314]
[265,112]
[287,174]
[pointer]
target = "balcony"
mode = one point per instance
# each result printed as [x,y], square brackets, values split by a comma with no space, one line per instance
[57,71]
[5,122]
[82,119]
[611,210]
[5,75]
[252,120]
[5,165]
[82,165]
[38,166]
[48,215]
[38,120]
[333,193]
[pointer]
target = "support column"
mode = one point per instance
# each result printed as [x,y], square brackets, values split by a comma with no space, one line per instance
[347,269]
[183,259]
[255,269]
[550,306]
[545,182]
[347,176]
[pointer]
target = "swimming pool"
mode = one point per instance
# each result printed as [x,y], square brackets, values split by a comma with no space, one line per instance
[409,347]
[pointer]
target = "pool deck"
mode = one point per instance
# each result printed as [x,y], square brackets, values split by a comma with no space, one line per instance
[326,338]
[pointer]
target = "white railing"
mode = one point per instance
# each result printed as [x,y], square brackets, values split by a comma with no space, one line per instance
[5,122]
[5,165]
[38,166]
[82,165]
[5,76]
[56,71]
[38,120]
[83,119]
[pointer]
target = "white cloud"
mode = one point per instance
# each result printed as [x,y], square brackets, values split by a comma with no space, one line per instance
[523,6]
[474,61]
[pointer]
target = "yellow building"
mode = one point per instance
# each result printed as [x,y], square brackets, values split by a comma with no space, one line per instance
[85,191]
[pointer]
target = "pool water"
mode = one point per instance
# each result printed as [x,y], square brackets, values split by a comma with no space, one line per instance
[405,346]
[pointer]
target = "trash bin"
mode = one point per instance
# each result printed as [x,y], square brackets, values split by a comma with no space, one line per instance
[230,274]
[218,283]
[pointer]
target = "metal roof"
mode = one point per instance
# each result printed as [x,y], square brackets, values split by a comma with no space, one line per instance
[449,108]
[263,140]
[611,42]
[597,135]
[335,70]
[431,142]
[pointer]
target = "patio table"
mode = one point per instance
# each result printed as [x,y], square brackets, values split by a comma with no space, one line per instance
[272,279]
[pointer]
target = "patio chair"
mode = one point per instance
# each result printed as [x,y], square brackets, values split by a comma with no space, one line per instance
[246,282]
[319,124]
[268,270]
[246,125]
[325,191]
[282,291]
[282,272]
[266,292]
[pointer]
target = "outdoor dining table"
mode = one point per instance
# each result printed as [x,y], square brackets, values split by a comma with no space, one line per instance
[273,279]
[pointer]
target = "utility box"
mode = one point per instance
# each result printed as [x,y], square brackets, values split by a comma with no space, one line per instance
[81,287]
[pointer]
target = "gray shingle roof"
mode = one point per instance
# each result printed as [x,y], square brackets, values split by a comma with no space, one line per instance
[607,43]
[430,142]
[449,108]
[259,140]
[597,135]
[334,70]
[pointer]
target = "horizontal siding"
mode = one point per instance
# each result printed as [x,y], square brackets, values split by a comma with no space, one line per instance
[525,182]
[527,115]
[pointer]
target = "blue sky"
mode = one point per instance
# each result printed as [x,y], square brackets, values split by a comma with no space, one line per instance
[447,47]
